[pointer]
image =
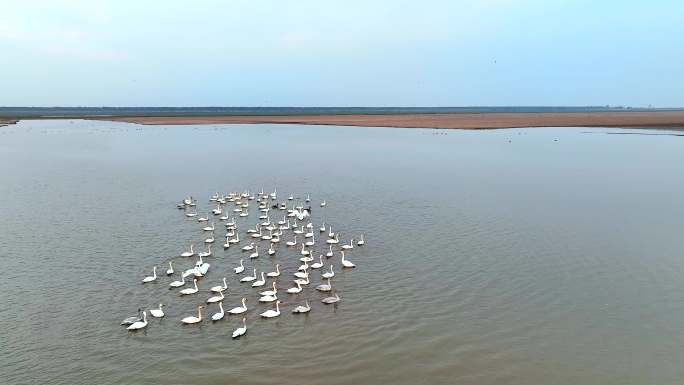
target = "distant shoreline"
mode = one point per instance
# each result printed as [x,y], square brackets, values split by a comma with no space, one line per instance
[471,121]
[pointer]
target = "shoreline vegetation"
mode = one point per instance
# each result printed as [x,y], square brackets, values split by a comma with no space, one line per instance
[673,120]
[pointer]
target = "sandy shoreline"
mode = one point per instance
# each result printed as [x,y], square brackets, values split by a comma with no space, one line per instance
[665,119]
[673,120]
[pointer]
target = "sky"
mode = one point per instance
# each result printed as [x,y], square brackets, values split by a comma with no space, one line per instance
[342,53]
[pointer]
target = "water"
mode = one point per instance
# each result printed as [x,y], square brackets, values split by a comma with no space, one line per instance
[554,258]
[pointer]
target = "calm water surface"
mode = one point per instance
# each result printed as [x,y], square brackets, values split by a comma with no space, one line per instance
[536,256]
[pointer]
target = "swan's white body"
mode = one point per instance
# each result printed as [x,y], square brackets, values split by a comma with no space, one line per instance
[270,292]
[293,242]
[178,283]
[319,264]
[295,290]
[190,290]
[188,253]
[216,298]
[324,287]
[205,253]
[301,274]
[349,246]
[345,262]
[330,300]
[302,308]
[255,254]
[329,274]
[169,271]
[157,313]
[240,268]
[219,288]
[361,242]
[260,282]
[140,324]
[272,313]
[193,319]
[240,331]
[239,309]
[274,274]
[218,315]
[268,298]
[249,278]
[152,277]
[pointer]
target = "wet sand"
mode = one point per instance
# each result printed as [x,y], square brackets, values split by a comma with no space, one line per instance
[662,119]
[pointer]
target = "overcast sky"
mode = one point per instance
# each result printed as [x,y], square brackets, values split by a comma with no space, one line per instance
[341,53]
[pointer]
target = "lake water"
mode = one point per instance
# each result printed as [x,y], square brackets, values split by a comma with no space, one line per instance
[531,256]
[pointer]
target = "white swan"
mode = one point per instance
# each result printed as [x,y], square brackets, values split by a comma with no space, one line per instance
[211,239]
[293,242]
[311,242]
[334,240]
[319,264]
[219,288]
[205,253]
[329,274]
[324,287]
[300,274]
[255,254]
[210,228]
[271,250]
[330,252]
[152,277]
[249,247]
[295,290]
[169,271]
[190,290]
[188,253]
[274,274]
[239,309]
[193,319]
[202,267]
[323,204]
[240,268]
[349,246]
[270,292]
[249,278]
[322,228]
[361,242]
[330,300]
[178,283]
[272,313]
[304,267]
[330,232]
[346,263]
[216,298]
[133,319]
[304,252]
[301,281]
[302,308]
[240,331]
[260,282]
[218,315]
[157,313]
[268,298]
[140,324]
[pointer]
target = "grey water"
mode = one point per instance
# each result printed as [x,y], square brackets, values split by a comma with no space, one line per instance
[526,256]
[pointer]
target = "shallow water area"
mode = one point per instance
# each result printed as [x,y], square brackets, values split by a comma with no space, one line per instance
[492,257]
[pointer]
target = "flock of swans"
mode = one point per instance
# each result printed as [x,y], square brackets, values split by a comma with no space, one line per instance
[266,234]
